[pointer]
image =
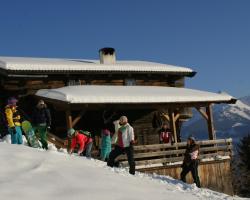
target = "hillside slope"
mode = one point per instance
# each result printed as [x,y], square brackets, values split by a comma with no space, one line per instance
[31,174]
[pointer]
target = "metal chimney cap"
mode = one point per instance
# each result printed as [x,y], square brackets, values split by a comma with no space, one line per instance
[107,50]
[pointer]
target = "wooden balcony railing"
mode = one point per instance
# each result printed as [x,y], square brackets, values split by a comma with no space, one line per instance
[146,155]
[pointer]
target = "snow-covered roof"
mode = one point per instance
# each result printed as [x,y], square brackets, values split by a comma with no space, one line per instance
[131,94]
[78,65]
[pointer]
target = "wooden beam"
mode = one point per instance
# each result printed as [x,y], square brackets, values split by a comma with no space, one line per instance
[165,116]
[69,119]
[210,122]
[176,117]
[78,118]
[172,124]
[202,112]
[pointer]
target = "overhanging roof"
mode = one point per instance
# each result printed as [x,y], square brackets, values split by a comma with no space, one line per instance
[92,94]
[60,65]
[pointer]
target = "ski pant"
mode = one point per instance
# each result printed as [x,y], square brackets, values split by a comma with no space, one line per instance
[41,133]
[129,151]
[105,153]
[16,136]
[88,149]
[193,167]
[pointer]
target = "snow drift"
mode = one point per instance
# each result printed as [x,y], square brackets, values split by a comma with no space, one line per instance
[33,174]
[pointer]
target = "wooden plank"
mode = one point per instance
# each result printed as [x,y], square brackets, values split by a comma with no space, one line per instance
[182,144]
[176,152]
[154,161]
[174,159]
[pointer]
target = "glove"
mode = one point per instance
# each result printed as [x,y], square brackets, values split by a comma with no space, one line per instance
[13,130]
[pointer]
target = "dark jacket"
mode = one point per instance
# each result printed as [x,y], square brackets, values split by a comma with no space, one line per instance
[191,154]
[41,116]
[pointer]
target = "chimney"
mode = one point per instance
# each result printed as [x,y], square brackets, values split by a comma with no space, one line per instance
[107,55]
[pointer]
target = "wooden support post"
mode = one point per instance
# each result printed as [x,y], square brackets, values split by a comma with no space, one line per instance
[210,122]
[78,118]
[172,124]
[69,119]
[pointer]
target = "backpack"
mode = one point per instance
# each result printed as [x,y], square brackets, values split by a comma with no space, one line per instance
[86,133]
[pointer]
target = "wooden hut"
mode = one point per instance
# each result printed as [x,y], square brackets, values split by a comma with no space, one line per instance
[23,76]
[118,87]
[155,158]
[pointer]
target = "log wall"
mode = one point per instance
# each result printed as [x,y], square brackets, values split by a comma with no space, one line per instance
[215,175]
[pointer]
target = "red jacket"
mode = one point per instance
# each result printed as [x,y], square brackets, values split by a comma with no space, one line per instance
[166,136]
[82,140]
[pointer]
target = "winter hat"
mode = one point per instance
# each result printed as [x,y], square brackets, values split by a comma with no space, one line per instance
[71,132]
[12,101]
[191,138]
[123,119]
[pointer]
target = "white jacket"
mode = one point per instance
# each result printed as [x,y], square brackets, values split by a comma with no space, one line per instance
[125,135]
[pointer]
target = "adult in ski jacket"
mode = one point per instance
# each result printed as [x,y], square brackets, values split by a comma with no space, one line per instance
[41,122]
[166,135]
[13,118]
[125,142]
[84,141]
[190,162]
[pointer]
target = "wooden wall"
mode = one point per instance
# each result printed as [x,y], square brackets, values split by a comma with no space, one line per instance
[30,85]
[215,175]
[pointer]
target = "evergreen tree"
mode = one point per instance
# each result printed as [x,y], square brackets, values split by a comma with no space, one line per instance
[244,151]
[244,167]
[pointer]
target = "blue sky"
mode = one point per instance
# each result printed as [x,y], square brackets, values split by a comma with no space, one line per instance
[212,37]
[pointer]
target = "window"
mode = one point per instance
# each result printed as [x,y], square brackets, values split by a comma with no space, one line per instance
[130,81]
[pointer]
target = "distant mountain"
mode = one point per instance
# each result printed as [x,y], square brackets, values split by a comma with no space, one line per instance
[246,100]
[230,120]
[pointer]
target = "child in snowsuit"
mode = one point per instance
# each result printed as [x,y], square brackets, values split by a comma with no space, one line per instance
[105,144]
[41,121]
[125,142]
[85,143]
[13,120]
[190,162]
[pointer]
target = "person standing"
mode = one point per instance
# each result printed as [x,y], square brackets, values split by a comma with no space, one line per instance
[106,132]
[41,121]
[124,144]
[81,138]
[190,162]
[105,144]
[166,135]
[13,118]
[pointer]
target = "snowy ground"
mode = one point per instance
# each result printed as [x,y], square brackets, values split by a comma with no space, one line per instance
[32,174]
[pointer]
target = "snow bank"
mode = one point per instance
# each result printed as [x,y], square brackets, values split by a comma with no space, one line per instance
[30,174]
[60,64]
[130,94]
